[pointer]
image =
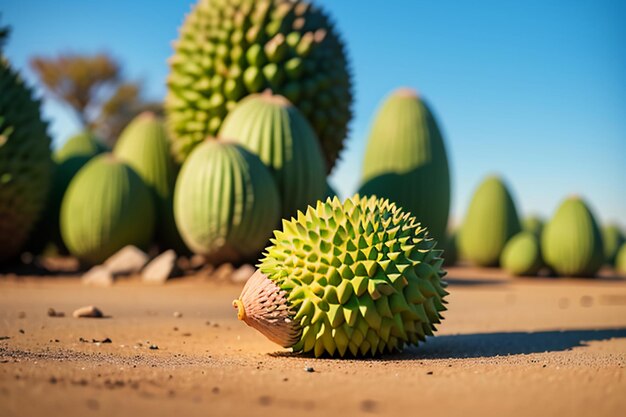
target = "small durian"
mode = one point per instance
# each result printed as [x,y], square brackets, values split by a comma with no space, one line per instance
[356,278]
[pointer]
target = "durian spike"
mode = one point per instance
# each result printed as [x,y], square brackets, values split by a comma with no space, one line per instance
[263,306]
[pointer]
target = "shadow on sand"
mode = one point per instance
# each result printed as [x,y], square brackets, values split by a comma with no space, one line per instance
[481,345]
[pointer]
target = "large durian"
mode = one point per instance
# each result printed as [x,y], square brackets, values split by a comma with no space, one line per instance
[226,203]
[612,239]
[228,49]
[571,242]
[144,145]
[26,166]
[69,159]
[490,222]
[406,162]
[354,278]
[106,207]
[522,254]
[274,129]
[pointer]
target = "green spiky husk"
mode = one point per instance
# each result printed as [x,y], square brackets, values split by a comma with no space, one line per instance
[226,203]
[275,130]
[144,145]
[571,242]
[361,276]
[406,162]
[522,254]
[490,222]
[26,166]
[228,49]
[106,207]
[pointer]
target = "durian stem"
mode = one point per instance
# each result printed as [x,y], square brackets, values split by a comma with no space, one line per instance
[241,311]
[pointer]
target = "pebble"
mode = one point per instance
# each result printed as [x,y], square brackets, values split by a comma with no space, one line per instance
[98,276]
[128,260]
[309,369]
[178,314]
[160,269]
[242,274]
[88,311]
[154,347]
[53,313]
[223,272]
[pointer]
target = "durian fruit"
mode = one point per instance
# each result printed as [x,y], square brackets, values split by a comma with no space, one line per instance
[620,260]
[612,239]
[490,222]
[450,252]
[228,49]
[533,224]
[106,207]
[26,166]
[354,278]
[522,254]
[274,129]
[226,203]
[571,242]
[144,145]
[406,162]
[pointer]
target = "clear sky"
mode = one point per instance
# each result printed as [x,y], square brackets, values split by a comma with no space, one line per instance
[534,90]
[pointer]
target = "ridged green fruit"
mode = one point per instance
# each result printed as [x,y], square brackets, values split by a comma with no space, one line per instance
[228,49]
[522,254]
[226,203]
[26,166]
[406,162]
[490,222]
[450,251]
[144,145]
[612,240]
[354,278]
[106,207]
[533,224]
[620,260]
[275,130]
[571,241]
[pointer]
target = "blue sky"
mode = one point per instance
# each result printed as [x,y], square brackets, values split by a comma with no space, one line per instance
[533,90]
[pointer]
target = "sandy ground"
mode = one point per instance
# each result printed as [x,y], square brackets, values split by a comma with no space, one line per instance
[508,347]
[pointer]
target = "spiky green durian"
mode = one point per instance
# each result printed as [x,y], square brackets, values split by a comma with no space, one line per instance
[522,254]
[106,207]
[405,161]
[490,222]
[228,49]
[612,239]
[144,145]
[571,242]
[533,224]
[620,260]
[26,166]
[274,129]
[226,203]
[354,278]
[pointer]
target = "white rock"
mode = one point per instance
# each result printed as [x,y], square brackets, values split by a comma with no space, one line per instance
[88,311]
[126,261]
[98,276]
[222,272]
[160,269]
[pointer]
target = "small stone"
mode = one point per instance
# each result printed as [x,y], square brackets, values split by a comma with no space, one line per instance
[177,314]
[128,260]
[160,269]
[197,261]
[153,347]
[53,313]
[223,272]
[22,331]
[88,311]
[429,373]
[21,315]
[309,369]
[241,274]
[98,276]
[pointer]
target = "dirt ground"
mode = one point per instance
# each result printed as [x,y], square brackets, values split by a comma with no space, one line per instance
[508,347]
